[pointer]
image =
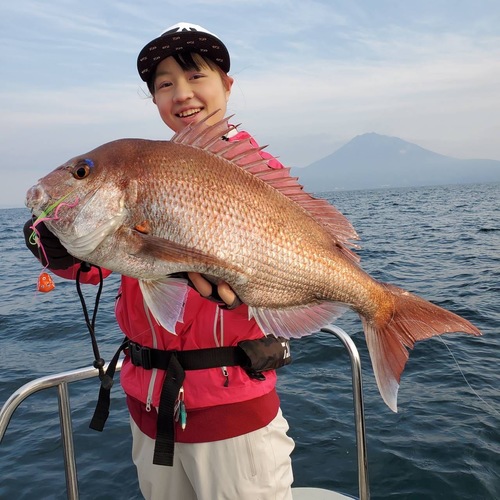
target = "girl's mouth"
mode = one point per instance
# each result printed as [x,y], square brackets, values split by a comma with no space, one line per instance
[188,113]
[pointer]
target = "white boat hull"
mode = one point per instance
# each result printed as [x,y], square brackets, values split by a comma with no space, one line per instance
[317,494]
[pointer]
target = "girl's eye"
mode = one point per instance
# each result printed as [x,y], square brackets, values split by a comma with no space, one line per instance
[163,85]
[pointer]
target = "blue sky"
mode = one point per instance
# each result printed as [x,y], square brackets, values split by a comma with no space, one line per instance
[310,76]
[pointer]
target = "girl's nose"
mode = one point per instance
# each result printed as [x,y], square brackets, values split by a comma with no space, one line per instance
[183,92]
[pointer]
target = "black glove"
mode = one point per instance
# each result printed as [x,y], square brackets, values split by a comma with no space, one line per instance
[58,256]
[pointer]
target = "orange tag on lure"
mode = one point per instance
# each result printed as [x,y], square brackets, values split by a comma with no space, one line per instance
[45,283]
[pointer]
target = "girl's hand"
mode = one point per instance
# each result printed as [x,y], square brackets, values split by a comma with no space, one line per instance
[58,256]
[206,289]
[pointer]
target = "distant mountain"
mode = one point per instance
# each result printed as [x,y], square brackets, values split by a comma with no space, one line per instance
[373,160]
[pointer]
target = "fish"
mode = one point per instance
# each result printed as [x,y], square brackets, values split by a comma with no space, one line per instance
[196,203]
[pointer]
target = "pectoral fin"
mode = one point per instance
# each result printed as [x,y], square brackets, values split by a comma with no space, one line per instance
[170,251]
[165,299]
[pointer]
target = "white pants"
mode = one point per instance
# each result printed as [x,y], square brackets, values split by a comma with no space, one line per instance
[255,466]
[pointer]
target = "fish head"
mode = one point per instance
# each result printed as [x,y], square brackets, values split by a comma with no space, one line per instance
[83,201]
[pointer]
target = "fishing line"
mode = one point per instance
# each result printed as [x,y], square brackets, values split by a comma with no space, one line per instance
[45,213]
[464,377]
[35,239]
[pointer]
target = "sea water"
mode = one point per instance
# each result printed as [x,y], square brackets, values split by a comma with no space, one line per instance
[444,443]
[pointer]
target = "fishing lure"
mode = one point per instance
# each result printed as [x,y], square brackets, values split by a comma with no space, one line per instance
[45,283]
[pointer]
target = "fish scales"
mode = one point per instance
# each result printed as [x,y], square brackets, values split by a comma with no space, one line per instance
[281,244]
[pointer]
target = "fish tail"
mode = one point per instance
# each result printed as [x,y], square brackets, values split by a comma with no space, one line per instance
[404,319]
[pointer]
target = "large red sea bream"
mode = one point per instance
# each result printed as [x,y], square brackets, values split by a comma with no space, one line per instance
[148,209]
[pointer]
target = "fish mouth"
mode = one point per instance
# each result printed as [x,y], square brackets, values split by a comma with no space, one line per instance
[36,199]
[43,206]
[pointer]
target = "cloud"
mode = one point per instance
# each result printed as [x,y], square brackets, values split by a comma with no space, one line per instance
[309,76]
[436,91]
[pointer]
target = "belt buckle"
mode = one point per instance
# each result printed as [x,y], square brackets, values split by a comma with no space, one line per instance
[140,355]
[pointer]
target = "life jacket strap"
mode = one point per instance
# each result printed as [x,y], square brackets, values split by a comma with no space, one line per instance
[254,356]
[195,359]
[175,363]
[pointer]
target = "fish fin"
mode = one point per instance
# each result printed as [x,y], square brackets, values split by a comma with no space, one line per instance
[246,155]
[297,321]
[170,251]
[165,299]
[410,319]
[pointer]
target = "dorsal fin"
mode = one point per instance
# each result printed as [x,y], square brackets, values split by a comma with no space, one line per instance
[247,156]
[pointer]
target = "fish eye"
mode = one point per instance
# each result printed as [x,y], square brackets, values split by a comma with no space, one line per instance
[82,169]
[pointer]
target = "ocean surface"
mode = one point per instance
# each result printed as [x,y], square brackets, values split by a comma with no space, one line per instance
[444,443]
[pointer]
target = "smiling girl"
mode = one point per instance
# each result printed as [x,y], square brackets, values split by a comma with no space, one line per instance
[233,444]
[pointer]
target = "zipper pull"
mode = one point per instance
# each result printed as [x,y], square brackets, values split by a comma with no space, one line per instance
[226,374]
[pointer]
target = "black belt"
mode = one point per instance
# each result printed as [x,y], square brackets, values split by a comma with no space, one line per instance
[195,359]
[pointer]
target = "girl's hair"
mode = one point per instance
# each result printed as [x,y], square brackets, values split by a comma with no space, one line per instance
[189,61]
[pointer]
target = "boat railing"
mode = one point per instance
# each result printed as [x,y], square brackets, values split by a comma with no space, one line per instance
[61,381]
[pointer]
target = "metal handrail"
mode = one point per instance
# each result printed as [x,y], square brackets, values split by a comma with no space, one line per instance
[359,411]
[61,380]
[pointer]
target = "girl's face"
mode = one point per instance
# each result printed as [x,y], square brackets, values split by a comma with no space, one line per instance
[185,97]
